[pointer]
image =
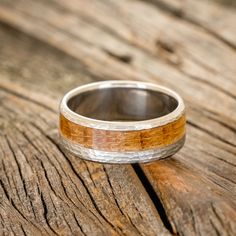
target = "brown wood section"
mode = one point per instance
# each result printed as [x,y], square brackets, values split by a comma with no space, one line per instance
[47,48]
[107,140]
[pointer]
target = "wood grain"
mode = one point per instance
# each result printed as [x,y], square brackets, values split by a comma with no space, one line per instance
[107,140]
[44,191]
[216,19]
[194,191]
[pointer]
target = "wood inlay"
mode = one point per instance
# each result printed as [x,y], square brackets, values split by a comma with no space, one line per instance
[108,140]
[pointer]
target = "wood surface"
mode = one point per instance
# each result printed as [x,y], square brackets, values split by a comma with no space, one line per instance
[105,140]
[50,46]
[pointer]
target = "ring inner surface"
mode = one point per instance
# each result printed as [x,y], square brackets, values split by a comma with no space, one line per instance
[122,104]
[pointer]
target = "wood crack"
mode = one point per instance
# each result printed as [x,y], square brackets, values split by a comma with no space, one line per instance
[218,233]
[110,185]
[45,212]
[18,166]
[80,227]
[124,47]
[123,58]
[83,183]
[153,195]
[77,175]
[5,191]
[23,230]
[117,204]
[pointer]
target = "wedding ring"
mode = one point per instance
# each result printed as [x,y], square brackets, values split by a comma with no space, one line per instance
[122,122]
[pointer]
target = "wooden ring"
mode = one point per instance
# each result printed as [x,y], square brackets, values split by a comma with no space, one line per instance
[122,122]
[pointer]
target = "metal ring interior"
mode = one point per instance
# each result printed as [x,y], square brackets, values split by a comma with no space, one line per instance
[121,125]
[121,106]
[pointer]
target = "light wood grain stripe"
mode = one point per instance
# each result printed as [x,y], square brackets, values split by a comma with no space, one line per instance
[108,140]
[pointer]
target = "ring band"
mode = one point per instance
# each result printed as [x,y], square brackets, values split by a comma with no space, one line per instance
[122,122]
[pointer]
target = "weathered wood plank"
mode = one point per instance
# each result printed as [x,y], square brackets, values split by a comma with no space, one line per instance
[193,204]
[120,43]
[43,190]
[211,16]
[147,67]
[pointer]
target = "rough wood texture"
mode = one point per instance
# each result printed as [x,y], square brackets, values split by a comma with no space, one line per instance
[74,42]
[123,140]
[44,191]
[214,18]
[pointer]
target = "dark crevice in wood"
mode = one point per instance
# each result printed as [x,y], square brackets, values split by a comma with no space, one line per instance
[12,230]
[134,226]
[45,212]
[193,219]
[109,182]
[217,215]
[13,204]
[77,222]
[18,165]
[123,58]
[5,190]
[226,178]
[70,164]
[179,13]
[15,186]
[176,12]
[6,174]
[22,215]
[128,58]
[45,172]
[67,223]
[153,195]
[33,210]
[104,27]
[165,46]
[181,231]
[21,176]
[218,173]
[89,174]
[218,233]
[210,133]
[82,181]
[22,228]
[47,178]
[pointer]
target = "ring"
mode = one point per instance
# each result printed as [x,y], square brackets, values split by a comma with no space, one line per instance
[122,122]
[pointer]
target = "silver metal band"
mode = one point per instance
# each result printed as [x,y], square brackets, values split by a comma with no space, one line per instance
[122,157]
[122,122]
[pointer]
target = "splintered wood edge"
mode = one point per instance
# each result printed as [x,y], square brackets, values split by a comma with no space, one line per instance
[110,140]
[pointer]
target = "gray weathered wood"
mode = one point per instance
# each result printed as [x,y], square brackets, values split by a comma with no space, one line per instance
[134,40]
[216,19]
[42,189]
